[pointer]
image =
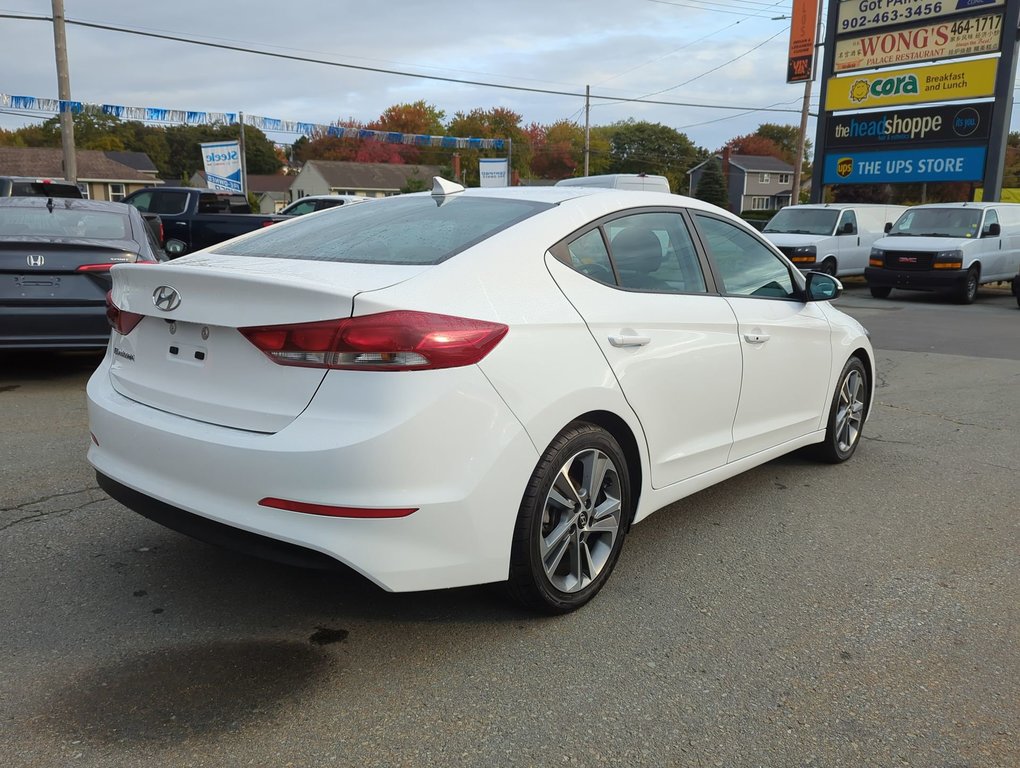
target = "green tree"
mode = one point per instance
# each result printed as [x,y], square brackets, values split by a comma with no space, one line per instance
[712,185]
[643,147]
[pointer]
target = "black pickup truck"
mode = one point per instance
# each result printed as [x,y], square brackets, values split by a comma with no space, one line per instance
[197,218]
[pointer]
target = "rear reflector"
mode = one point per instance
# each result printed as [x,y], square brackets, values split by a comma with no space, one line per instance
[331,511]
[120,321]
[388,341]
[94,268]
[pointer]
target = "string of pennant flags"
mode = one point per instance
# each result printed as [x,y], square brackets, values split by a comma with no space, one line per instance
[265,124]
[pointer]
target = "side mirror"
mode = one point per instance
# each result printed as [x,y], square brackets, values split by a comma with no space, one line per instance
[992,230]
[822,287]
[175,248]
[888,227]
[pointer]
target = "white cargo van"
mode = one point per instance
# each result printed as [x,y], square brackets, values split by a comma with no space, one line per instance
[639,181]
[954,246]
[834,238]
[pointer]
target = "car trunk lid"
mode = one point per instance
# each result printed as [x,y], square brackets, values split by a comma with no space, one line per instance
[186,355]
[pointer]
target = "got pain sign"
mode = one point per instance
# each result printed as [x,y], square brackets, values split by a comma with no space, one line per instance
[905,166]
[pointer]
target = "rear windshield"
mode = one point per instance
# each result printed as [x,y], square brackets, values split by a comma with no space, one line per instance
[410,229]
[43,189]
[61,222]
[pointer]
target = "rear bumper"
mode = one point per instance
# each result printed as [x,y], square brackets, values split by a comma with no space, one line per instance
[920,280]
[454,452]
[53,327]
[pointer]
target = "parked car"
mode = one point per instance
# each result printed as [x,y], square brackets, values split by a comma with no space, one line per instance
[55,259]
[641,182]
[312,203]
[29,186]
[468,386]
[947,246]
[197,218]
[833,238]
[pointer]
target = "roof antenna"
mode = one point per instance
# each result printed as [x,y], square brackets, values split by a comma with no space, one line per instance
[443,188]
[49,205]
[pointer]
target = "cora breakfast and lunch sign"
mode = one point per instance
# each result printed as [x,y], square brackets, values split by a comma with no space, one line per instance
[917,85]
[861,15]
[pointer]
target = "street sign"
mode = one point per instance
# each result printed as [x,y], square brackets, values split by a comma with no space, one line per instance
[917,85]
[950,39]
[905,166]
[862,15]
[950,124]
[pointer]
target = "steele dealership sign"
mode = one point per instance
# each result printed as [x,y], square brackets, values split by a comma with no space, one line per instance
[862,15]
[943,40]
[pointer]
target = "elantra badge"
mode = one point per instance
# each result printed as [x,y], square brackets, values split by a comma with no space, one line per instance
[166,298]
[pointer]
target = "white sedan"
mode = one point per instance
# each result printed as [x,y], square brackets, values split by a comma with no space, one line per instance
[467,386]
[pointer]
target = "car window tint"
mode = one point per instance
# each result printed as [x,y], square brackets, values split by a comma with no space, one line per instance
[654,252]
[588,255]
[850,218]
[406,229]
[301,208]
[746,265]
[142,201]
[990,218]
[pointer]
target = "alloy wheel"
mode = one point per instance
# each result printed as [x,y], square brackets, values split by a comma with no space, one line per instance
[850,411]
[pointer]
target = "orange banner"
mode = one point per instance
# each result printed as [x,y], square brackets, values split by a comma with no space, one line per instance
[800,65]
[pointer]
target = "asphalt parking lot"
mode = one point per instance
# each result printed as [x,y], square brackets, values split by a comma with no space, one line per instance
[866,614]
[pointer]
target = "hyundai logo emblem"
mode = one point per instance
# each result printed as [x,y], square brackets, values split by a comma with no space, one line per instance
[36,260]
[166,298]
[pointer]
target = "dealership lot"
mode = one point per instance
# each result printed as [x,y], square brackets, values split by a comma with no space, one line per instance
[861,614]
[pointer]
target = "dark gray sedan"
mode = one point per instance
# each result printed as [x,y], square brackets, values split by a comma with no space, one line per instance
[55,259]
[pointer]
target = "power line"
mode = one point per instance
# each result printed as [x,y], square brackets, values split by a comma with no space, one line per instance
[379,70]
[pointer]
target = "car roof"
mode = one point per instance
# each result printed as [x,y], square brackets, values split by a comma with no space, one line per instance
[980,206]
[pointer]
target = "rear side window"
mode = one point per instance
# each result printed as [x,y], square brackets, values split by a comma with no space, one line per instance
[169,203]
[409,229]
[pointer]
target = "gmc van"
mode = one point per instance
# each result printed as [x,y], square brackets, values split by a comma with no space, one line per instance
[833,238]
[947,246]
[639,181]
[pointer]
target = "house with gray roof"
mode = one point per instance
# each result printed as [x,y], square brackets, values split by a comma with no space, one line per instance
[753,182]
[334,177]
[100,175]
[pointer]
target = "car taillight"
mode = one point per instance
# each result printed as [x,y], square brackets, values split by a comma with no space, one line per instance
[268,223]
[120,321]
[94,268]
[388,341]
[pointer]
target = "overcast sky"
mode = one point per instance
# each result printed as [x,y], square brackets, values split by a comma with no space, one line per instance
[704,52]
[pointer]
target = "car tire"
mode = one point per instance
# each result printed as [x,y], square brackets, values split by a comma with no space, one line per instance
[846,414]
[828,267]
[572,521]
[880,292]
[967,291]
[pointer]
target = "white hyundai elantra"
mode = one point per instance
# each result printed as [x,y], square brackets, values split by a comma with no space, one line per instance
[467,386]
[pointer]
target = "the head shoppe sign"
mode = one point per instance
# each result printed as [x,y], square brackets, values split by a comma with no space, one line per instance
[946,124]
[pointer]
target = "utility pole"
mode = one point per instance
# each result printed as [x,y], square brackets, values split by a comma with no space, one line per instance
[244,162]
[587,126]
[64,93]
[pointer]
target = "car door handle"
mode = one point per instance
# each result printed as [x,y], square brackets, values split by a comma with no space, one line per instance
[629,341]
[756,338]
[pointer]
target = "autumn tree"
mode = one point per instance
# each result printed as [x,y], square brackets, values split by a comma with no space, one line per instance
[495,123]
[758,146]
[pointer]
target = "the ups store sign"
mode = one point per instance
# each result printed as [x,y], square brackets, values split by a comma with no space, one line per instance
[946,124]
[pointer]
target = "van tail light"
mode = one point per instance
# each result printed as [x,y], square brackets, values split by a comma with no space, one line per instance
[120,321]
[388,341]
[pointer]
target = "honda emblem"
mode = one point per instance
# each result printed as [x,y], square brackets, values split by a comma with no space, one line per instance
[35,260]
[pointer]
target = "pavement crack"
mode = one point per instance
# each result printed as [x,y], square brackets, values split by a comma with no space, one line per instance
[51,497]
[40,515]
[940,416]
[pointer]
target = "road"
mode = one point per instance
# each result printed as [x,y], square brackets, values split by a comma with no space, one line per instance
[865,614]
